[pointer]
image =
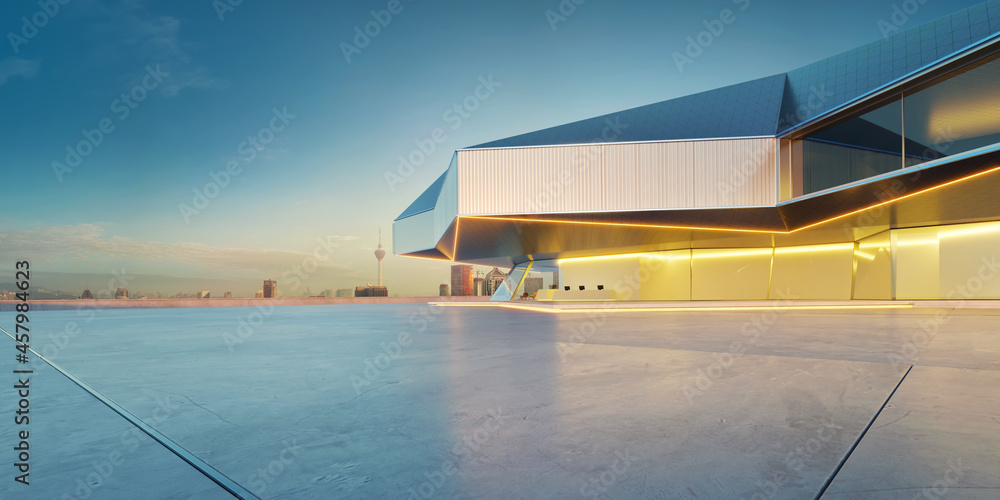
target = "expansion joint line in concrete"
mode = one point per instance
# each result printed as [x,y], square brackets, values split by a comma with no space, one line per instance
[833,475]
[201,466]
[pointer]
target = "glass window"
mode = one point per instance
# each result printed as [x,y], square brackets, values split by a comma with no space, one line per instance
[953,114]
[864,146]
[956,115]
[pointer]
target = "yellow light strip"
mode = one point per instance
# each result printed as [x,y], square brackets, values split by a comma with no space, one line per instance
[446,259]
[932,188]
[714,253]
[654,255]
[816,248]
[672,309]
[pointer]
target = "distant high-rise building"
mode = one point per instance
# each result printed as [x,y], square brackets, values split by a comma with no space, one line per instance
[494,279]
[371,291]
[270,289]
[478,286]
[259,294]
[555,279]
[379,254]
[344,292]
[121,293]
[228,295]
[461,280]
[86,294]
[443,289]
[204,294]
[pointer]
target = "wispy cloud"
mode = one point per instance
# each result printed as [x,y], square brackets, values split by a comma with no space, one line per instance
[88,242]
[15,66]
[137,33]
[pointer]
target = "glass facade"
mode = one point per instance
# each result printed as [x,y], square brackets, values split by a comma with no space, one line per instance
[959,262]
[951,115]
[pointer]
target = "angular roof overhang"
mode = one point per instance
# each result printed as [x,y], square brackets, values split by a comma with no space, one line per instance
[959,189]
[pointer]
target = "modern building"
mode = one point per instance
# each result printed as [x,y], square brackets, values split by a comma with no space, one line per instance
[443,290]
[86,294]
[479,284]
[493,281]
[871,174]
[461,280]
[121,293]
[270,289]
[228,295]
[371,291]
[204,294]
[344,292]
[259,294]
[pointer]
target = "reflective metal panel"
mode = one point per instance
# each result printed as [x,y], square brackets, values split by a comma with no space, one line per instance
[414,233]
[618,177]
[447,203]
[813,272]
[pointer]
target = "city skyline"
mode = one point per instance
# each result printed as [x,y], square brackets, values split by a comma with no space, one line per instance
[188,148]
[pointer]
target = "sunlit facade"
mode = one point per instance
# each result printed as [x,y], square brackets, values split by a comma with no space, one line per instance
[872,174]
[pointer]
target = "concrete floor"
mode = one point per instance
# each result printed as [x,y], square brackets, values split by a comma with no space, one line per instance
[302,402]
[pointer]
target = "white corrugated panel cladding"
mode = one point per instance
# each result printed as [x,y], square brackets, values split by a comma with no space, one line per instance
[616,177]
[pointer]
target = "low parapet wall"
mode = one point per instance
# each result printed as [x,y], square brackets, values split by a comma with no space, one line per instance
[51,305]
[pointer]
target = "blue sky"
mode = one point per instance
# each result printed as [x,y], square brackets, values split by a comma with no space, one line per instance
[213,80]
